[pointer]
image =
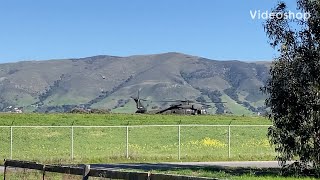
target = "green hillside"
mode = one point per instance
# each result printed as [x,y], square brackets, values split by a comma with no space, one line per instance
[108,82]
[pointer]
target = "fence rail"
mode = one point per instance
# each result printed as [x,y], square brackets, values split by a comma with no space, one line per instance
[85,171]
[129,137]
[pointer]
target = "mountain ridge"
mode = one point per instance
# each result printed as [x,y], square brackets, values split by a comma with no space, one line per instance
[134,55]
[107,82]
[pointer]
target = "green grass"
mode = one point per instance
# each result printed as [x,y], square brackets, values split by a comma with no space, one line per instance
[58,100]
[129,107]
[234,107]
[146,144]
[234,173]
[125,119]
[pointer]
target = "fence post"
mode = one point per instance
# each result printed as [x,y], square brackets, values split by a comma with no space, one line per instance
[229,141]
[127,142]
[11,141]
[4,172]
[86,171]
[179,139]
[72,143]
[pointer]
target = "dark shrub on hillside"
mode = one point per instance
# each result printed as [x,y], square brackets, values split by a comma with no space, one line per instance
[88,111]
[79,111]
[99,111]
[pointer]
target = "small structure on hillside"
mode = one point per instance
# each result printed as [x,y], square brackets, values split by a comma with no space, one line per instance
[12,109]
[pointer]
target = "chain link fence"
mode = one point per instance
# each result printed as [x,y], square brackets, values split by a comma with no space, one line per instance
[143,143]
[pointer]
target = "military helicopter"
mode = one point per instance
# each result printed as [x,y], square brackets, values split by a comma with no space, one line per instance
[177,106]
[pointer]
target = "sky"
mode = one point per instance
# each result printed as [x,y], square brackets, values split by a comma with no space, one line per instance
[220,30]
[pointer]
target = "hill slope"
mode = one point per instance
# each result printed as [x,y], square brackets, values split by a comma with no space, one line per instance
[108,82]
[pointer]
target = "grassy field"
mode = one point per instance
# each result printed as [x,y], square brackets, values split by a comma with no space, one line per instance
[146,144]
[234,173]
[124,119]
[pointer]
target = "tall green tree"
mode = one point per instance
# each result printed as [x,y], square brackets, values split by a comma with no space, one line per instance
[294,86]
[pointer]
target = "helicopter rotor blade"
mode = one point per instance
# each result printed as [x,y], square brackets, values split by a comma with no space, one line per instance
[188,101]
[166,101]
[215,102]
[139,98]
[191,101]
[206,105]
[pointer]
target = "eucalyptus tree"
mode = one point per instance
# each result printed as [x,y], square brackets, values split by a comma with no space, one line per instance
[293,88]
